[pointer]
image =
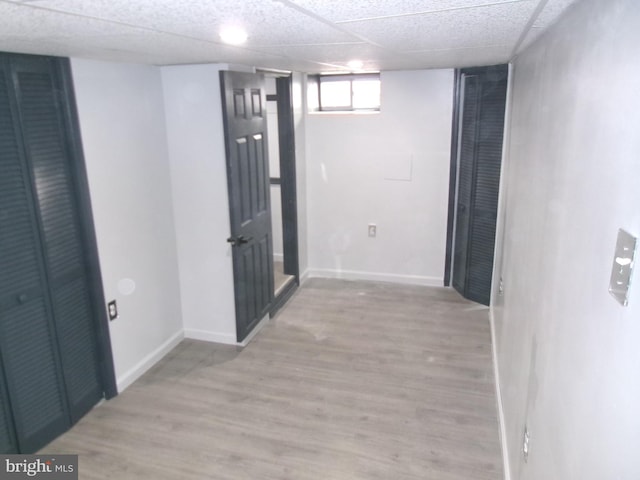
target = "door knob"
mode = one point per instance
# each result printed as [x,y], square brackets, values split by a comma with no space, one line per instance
[239,240]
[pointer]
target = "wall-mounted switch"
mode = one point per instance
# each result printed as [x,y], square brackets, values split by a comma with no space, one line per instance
[112,308]
[622,269]
[373,230]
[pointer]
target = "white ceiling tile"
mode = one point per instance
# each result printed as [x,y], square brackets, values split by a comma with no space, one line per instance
[18,21]
[266,21]
[485,26]
[54,33]
[353,10]
[463,57]
[335,57]
[283,34]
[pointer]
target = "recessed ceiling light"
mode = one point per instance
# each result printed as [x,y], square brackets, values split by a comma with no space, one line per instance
[233,35]
[356,64]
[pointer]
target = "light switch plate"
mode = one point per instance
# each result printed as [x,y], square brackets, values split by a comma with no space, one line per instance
[622,269]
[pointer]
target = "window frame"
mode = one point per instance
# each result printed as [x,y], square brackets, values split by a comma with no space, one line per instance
[341,77]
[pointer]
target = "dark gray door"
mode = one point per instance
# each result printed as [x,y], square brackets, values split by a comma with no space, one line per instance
[49,349]
[28,343]
[8,443]
[66,262]
[468,144]
[244,100]
[481,134]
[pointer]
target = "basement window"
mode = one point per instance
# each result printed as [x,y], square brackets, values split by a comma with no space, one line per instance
[346,93]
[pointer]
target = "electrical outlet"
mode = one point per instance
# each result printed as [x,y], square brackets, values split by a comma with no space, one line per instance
[525,444]
[112,308]
[501,287]
[373,230]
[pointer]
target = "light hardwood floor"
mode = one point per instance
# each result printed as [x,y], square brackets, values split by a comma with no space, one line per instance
[351,380]
[280,279]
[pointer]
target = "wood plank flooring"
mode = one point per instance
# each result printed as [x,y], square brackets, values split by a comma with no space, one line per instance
[280,279]
[351,380]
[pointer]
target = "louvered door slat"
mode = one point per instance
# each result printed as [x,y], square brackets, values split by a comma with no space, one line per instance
[36,390]
[78,346]
[66,261]
[31,369]
[485,210]
[480,158]
[465,180]
[8,442]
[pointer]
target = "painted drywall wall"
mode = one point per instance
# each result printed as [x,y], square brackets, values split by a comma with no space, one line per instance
[124,139]
[298,89]
[195,137]
[390,169]
[567,351]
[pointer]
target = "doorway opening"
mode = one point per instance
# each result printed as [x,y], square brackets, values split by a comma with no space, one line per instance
[282,187]
[247,145]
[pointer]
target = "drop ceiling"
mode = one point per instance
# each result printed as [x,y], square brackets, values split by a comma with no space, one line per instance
[301,35]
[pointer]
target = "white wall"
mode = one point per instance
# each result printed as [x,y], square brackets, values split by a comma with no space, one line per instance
[390,169]
[195,136]
[568,352]
[123,133]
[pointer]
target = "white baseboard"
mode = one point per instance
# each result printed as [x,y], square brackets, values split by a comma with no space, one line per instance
[125,380]
[224,338]
[304,276]
[278,257]
[207,336]
[376,277]
[496,373]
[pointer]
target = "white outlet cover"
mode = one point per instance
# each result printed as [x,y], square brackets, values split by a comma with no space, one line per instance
[622,269]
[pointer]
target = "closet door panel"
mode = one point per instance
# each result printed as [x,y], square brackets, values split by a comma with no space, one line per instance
[468,143]
[34,381]
[480,156]
[488,165]
[78,347]
[21,271]
[7,434]
[28,348]
[47,149]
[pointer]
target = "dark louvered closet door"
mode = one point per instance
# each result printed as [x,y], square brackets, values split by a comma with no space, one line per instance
[50,370]
[66,263]
[480,158]
[28,345]
[9,172]
[487,184]
[465,180]
[8,442]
